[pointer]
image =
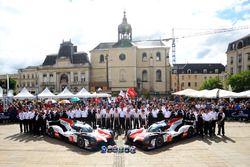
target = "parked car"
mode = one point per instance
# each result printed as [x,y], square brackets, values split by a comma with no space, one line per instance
[80,133]
[159,133]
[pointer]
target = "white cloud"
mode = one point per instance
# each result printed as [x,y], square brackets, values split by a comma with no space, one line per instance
[29,30]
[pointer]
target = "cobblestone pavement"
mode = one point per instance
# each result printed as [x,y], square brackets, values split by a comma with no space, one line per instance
[21,150]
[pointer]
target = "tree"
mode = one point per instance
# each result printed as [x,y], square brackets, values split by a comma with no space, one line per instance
[211,83]
[12,83]
[239,82]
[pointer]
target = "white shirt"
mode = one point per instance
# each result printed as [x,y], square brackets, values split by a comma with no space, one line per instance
[98,115]
[155,112]
[78,113]
[122,113]
[206,117]
[167,113]
[84,113]
[21,116]
[143,115]
[136,115]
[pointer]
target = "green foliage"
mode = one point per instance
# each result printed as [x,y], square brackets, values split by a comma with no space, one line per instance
[12,83]
[211,83]
[239,82]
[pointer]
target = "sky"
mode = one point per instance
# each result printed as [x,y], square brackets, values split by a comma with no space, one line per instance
[30,30]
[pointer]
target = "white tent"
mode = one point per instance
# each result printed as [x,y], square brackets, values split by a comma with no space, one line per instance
[200,94]
[24,94]
[10,93]
[83,93]
[65,94]
[243,94]
[184,92]
[1,92]
[227,94]
[46,93]
[100,95]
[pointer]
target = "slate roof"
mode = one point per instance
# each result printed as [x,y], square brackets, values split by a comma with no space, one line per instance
[105,45]
[240,43]
[198,68]
[149,43]
[77,58]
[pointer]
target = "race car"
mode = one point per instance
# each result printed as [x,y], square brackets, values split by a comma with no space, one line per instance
[159,133]
[80,133]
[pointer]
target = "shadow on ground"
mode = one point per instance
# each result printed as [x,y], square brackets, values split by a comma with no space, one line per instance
[21,137]
[207,140]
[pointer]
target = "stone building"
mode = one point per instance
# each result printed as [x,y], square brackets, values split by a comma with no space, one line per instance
[126,63]
[69,68]
[192,75]
[238,55]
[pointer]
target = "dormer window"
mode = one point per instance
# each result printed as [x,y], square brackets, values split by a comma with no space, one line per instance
[189,71]
[204,71]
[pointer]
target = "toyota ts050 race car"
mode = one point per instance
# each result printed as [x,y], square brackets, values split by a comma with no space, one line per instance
[159,133]
[80,133]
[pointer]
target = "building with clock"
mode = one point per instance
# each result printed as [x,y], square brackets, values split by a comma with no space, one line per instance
[126,63]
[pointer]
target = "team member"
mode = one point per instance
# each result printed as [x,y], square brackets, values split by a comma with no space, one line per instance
[136,119]
[107,119]
[122,113]
[199,123]
[84,114]
[150,118]
[21,120]
[207,126]
[127,120]
[143,118]
[221,122]
[98,118]
[116,120]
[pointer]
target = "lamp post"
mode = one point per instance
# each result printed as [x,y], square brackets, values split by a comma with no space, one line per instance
[107,72]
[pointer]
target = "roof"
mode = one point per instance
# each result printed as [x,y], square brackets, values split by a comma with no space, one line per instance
[199,67]
[105,45]
[239,43]
[123,43]
[149,43]
[77,58]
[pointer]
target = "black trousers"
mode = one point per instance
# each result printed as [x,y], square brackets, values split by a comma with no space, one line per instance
[108,123]
[99,122]
[26,125]
[221,127]
[128,125]
[116,124]
[103,122]
[143,123]
[21,125]
[122,122]
[136,123]
[199,129]
[30,122]
[207,128]
[213,125]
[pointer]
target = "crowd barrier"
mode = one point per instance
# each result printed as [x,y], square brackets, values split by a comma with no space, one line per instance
[237,114]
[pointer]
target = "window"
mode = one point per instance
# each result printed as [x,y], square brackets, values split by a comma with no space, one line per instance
[204,71]
[144,56]
[216,71]
[75,77]
[248,56]
[23,76]
[101,59]
[28,76]
[83,77]
[51,77]
[182,77]
[122,56]
[195,77]
[158,76]
[195,84]
[158,56]
[231,70]
[231,60]
[144,76]
[189,84]
[240,45]
[239,58]
[189,71]
[44,77]
[175,71]
[32,76]
[122,75]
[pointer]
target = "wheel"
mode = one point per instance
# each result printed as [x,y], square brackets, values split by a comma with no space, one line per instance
[159,141]
[51,132]
[190,132]
[80,142]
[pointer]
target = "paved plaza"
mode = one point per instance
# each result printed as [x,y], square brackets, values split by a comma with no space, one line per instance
[22,150]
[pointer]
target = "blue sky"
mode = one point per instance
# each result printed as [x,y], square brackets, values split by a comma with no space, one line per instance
[29,30]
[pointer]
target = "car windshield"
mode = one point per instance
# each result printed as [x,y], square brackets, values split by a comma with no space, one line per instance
[87,129]
[154,128]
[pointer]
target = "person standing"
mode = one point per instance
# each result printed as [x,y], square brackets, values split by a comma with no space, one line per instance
[143,118]
[116,120]
[199,123]
[136,119]
[122,113]
[21,120]
[221,121]
[98,118]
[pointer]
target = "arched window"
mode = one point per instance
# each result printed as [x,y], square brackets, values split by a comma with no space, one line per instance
[144,56]
[189,71]
[158,76]
[240,45]
[101,59]
[64,78]
[144,76]
[122,75]
[158,56]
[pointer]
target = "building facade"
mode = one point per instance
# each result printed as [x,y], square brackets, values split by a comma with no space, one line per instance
[126,63]
[238,55]
[68,68]
[192,75]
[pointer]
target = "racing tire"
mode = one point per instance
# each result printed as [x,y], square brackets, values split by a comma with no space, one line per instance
[159,141]
[81,142]
[190,132]
[51,132]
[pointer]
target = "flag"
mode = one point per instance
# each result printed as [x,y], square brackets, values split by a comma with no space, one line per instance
[131,92]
